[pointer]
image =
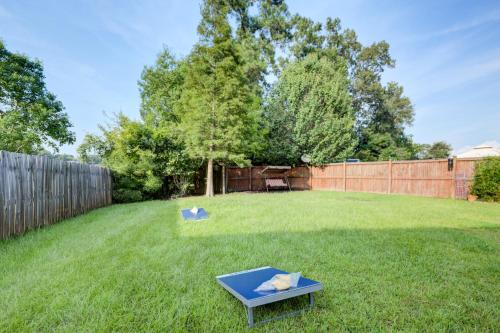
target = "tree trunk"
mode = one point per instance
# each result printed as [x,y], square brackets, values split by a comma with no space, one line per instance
[210,179]
[223,179]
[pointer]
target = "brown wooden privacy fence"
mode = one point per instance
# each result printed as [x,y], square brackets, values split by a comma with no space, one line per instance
[38,190]
[424,177]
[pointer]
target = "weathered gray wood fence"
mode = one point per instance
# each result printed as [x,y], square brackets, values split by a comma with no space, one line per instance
[39,190]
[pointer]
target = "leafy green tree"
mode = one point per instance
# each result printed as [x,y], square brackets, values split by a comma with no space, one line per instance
[307,37]
[310,112]
[382,111]
[63,157]
[382,129]
[148,157]
[161,87]
[218,110]
[439,149]
[92,149]
[486,183]
[147,162]
[262,26]
[30,116]
[126,149]
[281,148]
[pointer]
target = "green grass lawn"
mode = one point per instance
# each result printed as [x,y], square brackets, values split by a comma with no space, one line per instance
[386,262]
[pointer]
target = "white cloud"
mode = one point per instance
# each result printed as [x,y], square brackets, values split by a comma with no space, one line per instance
[442,69]
[459,27]
[129,33]
[466,72]
[474,23]
[133,25]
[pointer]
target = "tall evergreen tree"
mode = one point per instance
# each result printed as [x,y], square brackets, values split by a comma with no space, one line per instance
[218,109]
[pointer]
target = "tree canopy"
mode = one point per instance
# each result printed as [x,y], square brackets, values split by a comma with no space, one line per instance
[218,108]
[260,86]
[439,149]
[310,113]
[382,111]
[31,117]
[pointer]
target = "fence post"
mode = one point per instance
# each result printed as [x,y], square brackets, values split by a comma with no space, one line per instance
[389,186]
[250,178]
[310,177]
[345,174]
[224,179]
[453,177]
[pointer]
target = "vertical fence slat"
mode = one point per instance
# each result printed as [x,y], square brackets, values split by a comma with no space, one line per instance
[2,196]
[389,180]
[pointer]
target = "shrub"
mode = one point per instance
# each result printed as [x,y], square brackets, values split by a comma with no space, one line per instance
[126,195]
[126,188]
[487,179]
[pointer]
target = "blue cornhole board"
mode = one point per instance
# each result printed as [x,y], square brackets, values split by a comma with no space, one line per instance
[242,285]
[188,216]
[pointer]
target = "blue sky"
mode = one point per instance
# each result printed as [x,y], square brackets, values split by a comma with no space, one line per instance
[447,54]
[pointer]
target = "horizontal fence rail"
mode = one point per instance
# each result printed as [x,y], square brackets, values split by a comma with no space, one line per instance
[38,190]
[424,177]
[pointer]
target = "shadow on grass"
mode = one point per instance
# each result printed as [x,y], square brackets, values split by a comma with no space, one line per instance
[374,279]
[139,267]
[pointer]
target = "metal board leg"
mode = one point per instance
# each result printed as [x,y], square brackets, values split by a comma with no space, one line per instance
[285,315]
[250,316]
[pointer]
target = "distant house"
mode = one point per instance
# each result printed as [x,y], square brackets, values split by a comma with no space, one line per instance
[480,151]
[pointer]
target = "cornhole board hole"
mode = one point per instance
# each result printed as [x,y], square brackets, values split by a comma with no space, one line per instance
[187,215]
[242,285]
